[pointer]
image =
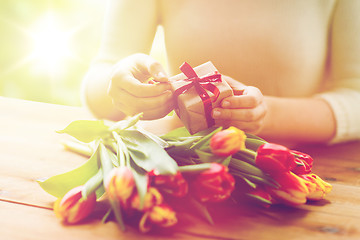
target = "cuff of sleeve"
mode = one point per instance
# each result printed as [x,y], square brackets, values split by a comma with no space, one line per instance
[345,106]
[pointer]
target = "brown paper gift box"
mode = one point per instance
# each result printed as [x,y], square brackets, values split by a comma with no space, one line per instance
[190,106]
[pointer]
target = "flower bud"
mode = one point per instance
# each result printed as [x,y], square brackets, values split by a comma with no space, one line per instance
[292,190]
[319,189]
[214,185]
[152,198]
[304,163]
[274,158]
[227,142]
[120,184]
[73,208]
[160,215]
[174,185]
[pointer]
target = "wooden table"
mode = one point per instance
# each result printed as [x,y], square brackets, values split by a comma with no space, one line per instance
[30,150]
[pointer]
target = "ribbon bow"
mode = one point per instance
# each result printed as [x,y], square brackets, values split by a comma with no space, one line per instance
[201,84]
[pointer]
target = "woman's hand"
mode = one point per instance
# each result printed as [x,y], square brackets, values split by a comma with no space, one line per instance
[131,92]
[245,110]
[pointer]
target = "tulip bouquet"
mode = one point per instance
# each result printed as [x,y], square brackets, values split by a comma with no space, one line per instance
[138,173]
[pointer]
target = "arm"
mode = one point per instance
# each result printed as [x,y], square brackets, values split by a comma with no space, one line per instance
[298,120]
[130,26]
[275,118]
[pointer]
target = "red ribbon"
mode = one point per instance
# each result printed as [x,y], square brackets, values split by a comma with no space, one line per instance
[201,84]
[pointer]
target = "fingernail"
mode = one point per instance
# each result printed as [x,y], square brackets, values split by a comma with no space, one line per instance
[160,75]
[216,113]
[225,104]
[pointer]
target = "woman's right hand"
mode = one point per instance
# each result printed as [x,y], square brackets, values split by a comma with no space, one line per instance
[131,92]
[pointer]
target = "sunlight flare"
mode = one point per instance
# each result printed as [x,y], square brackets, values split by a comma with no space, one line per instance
[51,45]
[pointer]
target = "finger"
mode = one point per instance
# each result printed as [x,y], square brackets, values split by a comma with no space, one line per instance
[237,87]
[153,68]
[251,98]
[139,104]
[244,114]
[135,87]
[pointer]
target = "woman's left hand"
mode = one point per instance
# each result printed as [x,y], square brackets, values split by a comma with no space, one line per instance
[245,110]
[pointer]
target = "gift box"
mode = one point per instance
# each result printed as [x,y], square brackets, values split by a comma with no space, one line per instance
[197,91]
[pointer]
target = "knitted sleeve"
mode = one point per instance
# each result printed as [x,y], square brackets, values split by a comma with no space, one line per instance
[343,94]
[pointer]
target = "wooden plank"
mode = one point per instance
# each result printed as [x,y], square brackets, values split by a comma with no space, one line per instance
[30,149]
[334,220]
[19,222]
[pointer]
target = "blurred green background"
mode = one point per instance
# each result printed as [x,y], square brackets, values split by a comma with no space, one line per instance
[47,46]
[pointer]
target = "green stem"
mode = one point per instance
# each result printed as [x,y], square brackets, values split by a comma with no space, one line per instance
[106,162]
[107,166]
[92,184]
[77,147]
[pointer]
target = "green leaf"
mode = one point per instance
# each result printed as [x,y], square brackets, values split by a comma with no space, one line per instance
[86,130]
[208,157]
[255,179]
[78,147]
[94,184]
[252,136]
[258,198]
[253,144]
[106,216]
[206,139]
[126,123]
[246,156]
[154,157]
[105,159]
[195,169]
[174,134]
[250,183]
[59,185]
[200,209]
[153,137]
[115,206]
[246,167]
[226,161]
[141,181]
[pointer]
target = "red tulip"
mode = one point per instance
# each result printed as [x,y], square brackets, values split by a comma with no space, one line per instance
[274,158]
[174,185]
[304,163]
[227,142]
[73,208]
[214,185]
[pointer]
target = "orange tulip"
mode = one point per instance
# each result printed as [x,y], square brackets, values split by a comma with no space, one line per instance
[227,142]
[292,191]
[73,208]
[319,187]
[120,184]
[152,198]
[160,215]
